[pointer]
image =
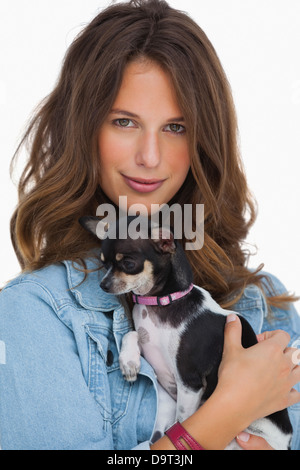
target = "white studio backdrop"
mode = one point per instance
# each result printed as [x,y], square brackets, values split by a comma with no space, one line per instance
[258,42]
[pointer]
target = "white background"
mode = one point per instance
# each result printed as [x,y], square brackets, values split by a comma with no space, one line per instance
[258,42]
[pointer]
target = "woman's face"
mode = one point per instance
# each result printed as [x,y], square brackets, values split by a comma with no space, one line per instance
[143,145]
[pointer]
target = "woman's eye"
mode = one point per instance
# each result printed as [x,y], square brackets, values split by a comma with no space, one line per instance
[176,128]
[123,122]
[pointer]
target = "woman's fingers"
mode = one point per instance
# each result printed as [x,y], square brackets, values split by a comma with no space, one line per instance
[293,357]
[250,442]
[232,334]
[282,338]
[294,397]
[278,336]
[296,357]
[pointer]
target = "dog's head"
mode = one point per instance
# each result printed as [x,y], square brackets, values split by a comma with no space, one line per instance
[134,263]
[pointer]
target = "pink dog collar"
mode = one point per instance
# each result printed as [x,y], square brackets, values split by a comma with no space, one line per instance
[161,301]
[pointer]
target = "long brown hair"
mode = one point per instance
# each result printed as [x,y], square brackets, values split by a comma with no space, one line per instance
[61,179]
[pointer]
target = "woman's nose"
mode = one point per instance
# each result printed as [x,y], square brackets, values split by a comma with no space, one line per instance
[148,152]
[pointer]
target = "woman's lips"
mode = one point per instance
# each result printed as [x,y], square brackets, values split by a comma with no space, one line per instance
[143,185]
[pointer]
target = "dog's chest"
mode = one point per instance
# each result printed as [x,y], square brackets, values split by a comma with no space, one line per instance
[159,344]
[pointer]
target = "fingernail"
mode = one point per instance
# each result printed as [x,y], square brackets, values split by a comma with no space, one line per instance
[260,337]
[244,436]
[231,317]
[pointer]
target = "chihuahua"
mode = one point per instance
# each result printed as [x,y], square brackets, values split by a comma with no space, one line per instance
[179,328]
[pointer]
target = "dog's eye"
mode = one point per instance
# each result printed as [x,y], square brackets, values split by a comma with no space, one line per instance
[129,265]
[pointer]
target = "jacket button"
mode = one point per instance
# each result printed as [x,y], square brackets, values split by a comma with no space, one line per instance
[109,358]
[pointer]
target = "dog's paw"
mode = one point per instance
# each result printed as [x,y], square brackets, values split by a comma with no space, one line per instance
[130,368]
[130,357]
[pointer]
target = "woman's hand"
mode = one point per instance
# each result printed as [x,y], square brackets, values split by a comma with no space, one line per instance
[253,383]
[251,442]
[259,379]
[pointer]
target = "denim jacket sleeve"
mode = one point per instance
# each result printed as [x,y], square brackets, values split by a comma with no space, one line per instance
[253,307]
[287,320]
[48,399]
[37,364]
[278,318]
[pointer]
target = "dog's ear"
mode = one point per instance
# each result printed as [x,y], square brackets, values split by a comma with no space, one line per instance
[94,225]
[163,239]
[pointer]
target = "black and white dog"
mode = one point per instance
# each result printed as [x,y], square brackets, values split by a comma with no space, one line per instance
[179,328]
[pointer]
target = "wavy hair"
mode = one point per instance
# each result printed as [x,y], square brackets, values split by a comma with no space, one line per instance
[60,182]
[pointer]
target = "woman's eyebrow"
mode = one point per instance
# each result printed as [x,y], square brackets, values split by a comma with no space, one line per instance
[136,116]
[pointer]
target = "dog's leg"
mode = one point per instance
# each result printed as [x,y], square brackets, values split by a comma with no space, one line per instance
[166,413]
[130,356]
[188,401]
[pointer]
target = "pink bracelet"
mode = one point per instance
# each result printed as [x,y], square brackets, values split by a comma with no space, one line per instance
[177,432]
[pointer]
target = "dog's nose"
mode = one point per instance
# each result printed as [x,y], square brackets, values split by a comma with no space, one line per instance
[105,284]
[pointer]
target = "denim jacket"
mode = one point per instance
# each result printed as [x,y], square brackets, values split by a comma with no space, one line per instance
[60,382]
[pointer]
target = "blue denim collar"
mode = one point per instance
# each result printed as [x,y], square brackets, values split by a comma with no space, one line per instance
[88,293]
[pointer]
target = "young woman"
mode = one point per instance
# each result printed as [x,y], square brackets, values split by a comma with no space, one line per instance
[142,109]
